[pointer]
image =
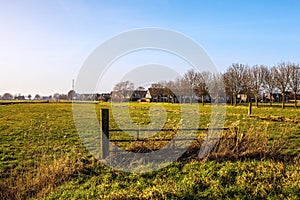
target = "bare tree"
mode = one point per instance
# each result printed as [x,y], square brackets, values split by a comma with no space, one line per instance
[255,80]
[228,87]
[72,95]
[171,90]
[201,86]
[282,78]
[37,97]
[7,96]
[56,96]
[172,86]
[216,87]
[235,79]
[157,85]
[179,87]
[186,89]
[269,81]
[192,78]
[295,80]
[122,91]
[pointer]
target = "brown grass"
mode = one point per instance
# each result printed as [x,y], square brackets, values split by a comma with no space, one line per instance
[233,144]
[42,179]
[254,143]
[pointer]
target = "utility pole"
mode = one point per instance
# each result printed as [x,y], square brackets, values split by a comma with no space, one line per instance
[72,84]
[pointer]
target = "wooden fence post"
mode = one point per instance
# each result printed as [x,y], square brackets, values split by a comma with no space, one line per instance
[137,134]
[104,136]
[250,108]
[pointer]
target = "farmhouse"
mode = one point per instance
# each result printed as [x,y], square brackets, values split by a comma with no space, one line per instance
[138,94]
[160,95]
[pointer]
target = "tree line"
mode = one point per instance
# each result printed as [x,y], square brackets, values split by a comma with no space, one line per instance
[71,95]
[56,96]
[224,87]
[237,79]
[284,77]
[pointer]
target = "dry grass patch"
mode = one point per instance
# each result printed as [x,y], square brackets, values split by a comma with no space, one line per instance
[40,180]
[253,142]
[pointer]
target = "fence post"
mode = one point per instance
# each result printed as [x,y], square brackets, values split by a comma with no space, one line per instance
[250,108]
[104,136]
[137,135]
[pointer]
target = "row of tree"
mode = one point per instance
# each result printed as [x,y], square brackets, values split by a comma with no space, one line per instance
[244,79]
[237,79]
[56,96]
[71,95]
[285,77]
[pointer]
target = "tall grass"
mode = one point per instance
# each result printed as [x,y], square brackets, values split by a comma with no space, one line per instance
[253,142]
[42,178]
[237,143]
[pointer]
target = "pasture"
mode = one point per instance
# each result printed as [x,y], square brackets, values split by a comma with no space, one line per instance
[42,157]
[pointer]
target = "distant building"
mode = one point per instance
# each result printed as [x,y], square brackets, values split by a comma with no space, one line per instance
[46,98]
[276,96]
[138,94]
[160,95]
[86,97]
[20,97]
[105,97]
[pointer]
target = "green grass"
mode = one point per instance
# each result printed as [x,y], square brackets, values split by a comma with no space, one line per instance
[37,137]
[211,180]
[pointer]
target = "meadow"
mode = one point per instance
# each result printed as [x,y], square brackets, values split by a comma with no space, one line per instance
[42,157]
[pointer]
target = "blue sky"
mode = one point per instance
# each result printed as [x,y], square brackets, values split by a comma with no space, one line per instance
[44,43]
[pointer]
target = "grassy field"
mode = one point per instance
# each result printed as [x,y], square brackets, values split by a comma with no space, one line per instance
[42,157]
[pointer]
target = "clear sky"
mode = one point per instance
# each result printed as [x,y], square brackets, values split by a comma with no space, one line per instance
[43,43]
